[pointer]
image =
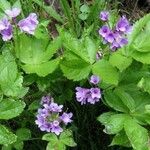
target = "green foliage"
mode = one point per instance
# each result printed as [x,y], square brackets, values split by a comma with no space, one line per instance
[106,72]
[10,108]
[65,139]
[36,55]
[6,137]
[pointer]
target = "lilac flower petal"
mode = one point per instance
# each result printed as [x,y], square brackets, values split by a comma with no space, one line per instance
[104,15]
[14,12]
[94,79]
[29,24]
[104,31]
[66,118]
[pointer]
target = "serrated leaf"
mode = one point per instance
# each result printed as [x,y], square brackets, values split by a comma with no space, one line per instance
[66,138]
[144,84]
[6,137]
[115,102]
[23,134]
[121,139]
[10,108]
[42,69]
[141,57]
[115,123]
[126,99]
[18,145]
[137,135]
[106,72]
[76,69]
[50,137]
[120,61]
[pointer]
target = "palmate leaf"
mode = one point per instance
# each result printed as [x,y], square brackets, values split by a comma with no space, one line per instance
[120,61]
[76,69]
[114,123]
[6,137]
[106,72]
[35,54]
[10,108]
[137,135]
[10,80]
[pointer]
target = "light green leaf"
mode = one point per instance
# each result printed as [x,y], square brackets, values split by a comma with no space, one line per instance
[5,4]
[120,61]
[14,88]
[6,137]
[66,138]
[126,99]
[115,102]
[106,72]
[115,123]
[42,69]
[137,135]
[10,108]
[144,84]
[141,57]
[50,137]
[17,4]
[76,69]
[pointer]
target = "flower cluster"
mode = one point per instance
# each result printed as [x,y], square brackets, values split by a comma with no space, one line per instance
[92,95]
[27,25]
[51,117]
[116,37]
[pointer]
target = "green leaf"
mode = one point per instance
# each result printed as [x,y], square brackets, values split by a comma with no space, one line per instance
[58,146]
[18,145]
[141,57]
[138,28]
[115,102]
[50,137]
[115,123]
[120,61]
[8,147]
[10,108]
[66,138]
[23,134]
[106,72]
[17,4]
[121,139]
[6,137]
[76,69]
[8,70]
[42,69]
[14,88]
[137,135]
[36,54]
[126,99]
[5,4]
[144,84]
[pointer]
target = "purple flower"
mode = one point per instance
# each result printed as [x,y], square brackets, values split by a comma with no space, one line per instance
[114,46]
[46,100]
[104,15]
[29,24]
[6,29]
[66,118]
[123,25]
[81,94]
[50,117]
[55,128]
[110,37]
[14,12]
[104,31]
[95,95]
[94,79]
